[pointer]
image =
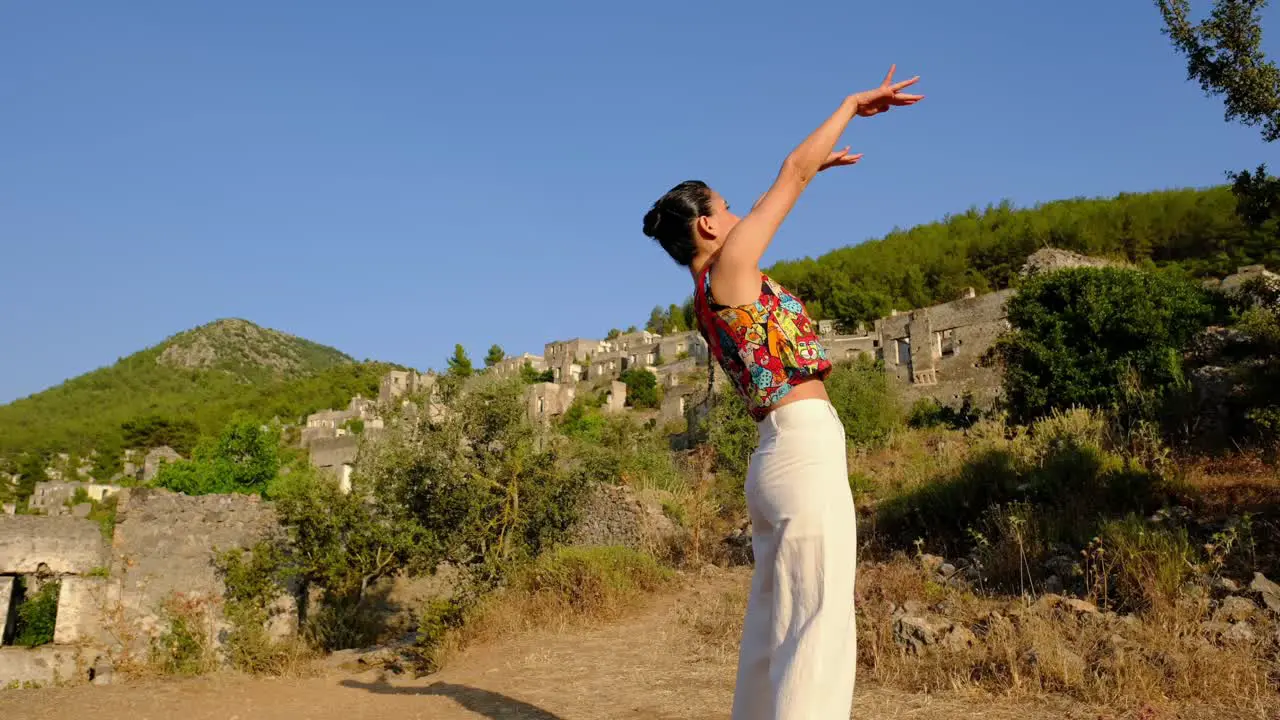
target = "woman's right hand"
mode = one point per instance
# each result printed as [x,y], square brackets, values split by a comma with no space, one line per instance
[888,95]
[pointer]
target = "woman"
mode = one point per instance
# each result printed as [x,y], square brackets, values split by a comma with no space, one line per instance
[799,647]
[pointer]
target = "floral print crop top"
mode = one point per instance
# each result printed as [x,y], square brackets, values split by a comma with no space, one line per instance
[766,348]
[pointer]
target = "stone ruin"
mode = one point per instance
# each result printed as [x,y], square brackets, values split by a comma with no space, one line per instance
[53,498]
[143,467]
[112,591]
[1047,260]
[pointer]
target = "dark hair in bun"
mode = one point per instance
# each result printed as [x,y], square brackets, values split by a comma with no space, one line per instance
[670,220]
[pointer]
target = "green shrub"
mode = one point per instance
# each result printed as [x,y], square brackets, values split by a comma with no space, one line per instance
[436,620]
[1063,466]
[244,458]
[252,580]
[732,434]
[339,543]
[642,388]
[863,396]
[37,615]
[475,488]
[1145,565]
[1098,338]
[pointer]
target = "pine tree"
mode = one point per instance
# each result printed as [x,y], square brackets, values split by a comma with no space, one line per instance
[460,363]
[495,356]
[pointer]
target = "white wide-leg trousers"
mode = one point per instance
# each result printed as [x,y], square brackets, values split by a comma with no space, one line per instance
[799,642]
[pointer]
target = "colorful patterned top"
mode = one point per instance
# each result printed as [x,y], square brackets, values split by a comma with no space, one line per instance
[765,348]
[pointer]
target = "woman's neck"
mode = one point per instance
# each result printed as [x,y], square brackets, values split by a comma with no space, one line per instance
[701,261]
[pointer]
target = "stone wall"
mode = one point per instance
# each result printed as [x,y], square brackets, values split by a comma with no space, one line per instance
[616,515]
[31,544]
[43,549]
[512,366]
[938,351]
[51,498]
[111,595]
[336,456]
[165,543]
[676,401]
[398,383]
[616,400]
[547,400]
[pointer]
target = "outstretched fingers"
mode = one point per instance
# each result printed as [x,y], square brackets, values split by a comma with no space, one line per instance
[905,84]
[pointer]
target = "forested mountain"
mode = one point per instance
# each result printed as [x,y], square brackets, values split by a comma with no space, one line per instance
[188,385]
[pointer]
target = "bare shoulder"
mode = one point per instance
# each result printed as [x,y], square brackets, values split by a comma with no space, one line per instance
[734,284]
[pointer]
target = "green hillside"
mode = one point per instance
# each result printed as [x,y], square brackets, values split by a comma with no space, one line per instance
[1195,232]
[188,385]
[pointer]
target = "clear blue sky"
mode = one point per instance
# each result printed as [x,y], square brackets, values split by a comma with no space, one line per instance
[393,177]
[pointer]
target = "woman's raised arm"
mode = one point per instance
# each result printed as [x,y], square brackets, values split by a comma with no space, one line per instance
[736,273]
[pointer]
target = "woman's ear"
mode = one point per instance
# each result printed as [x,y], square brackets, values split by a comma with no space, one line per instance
[706,227]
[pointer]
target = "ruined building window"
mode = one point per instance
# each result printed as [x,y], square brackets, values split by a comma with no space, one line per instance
[948,345]
[904,350]
[28,609]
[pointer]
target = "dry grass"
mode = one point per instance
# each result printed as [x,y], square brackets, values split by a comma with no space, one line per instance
[1030,650]
[568,586]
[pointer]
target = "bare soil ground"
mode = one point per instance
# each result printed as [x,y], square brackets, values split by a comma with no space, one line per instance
[651,665]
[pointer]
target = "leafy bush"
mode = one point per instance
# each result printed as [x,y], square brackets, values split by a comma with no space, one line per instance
[532,376]
[863,396]
[473,487]
[253,579]
[244,458]
[1143,566]
[733,435]
[1064,467]
[340,544]
[642,388]
[37,615]
[1098,338]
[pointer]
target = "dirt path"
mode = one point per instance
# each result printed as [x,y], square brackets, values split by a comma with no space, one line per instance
[650,666]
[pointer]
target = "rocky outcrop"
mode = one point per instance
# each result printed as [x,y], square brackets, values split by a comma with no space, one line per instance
[1049,260]
[616,515]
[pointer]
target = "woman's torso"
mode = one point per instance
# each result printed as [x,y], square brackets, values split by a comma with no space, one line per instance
[769,349]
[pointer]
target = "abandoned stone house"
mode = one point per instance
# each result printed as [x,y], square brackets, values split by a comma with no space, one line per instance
[938,351]
[111,591]
[512,366]
[51,498]
[400,383]
[337,423]
[144,466]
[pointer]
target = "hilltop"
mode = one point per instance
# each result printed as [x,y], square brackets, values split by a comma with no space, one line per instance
[187,385]
[244,350]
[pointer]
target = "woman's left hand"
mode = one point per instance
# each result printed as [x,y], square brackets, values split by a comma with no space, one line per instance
[839,158]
